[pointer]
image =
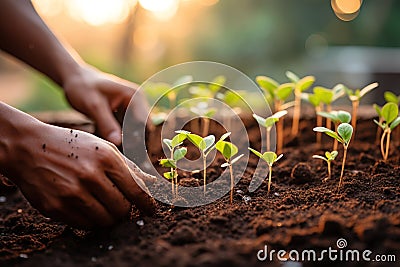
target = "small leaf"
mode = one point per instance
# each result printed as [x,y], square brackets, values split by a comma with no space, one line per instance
[334,154]
[224,136]
[269,157]
[259,119]
[209,141]
[319,157]
[330,115]
[368,89]
[180,153]
[395,123]
[293,77]
[236,159]
[338,91]
[227,149]
[328,154]
[279,114]
[256,152]
[269,122]
[225,164]
[168,175]
[378,110]
[168,142]
[314,100]
[267,84]
[389,112]
[182,132]
[345,131]
[210,113]
[383,126]
[391,97]
[178,139]
[305,83]
[343,116]
[168,163]
[197,141]
[328,132]
[325,95]
[284,91]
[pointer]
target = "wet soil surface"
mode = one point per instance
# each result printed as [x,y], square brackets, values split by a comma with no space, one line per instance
[301,212]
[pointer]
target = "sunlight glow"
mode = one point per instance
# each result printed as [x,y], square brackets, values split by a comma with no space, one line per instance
[163,10]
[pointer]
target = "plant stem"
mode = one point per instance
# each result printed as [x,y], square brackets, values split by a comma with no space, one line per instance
[296,112]
[382,144]
[268,132]
[319,123]
[204,173]
[173,176]
[279,128]
[269,179]
[328,121]
[206,126]
[329,169]
[354,115]
[343,163]
[387,144]
[378,131]
[232,182]
[335,142]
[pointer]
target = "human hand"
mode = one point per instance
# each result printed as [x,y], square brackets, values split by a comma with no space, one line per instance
[73,176]
[104,98]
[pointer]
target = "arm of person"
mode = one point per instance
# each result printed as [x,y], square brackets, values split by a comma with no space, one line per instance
[69,175]
[24,35]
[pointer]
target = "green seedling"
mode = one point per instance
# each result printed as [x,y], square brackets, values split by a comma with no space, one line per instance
[379,131]
[343,135]
[277,94]
[391,97]
[337,117]
[328,96]
[206,113]
[389,113]
[300,86]
[355,97]
[329,156]
[270,158]
[176,153]
[228,150]
[205,145]
[268,123]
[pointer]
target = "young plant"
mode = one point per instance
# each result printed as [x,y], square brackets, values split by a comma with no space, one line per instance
[205,145]
[270,158]
[343,135]
[328,96]
[329,156]
[390,112]
[355,97]
[206,113]
[176,153]
[228,150]
[391,97]
[278,94]
[300,86]
[268,123]
[337,117]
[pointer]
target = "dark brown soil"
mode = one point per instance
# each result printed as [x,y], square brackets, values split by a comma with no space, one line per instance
[301,212]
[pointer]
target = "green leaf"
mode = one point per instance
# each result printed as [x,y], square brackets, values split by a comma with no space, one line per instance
[210,113]
[284,90]
[197,140]
[180,153]
[258,154]
[314,100]
[383,126]
[378,110]
[224,136]
[259,119]
[168,142]
[227,149]
[325,95]
[391,97]
[368,89]
[305,83]
[328,154]
[389,112]
[279,114]
[343,116]
[395,123]
[236,159]
[168,163]
[169,175]
[328,132]
[334,154]
[209,141]
[267,84]
[269,122]
[330,115]
[345,131]
[293,77]
[338,91]
[319,157]
[269,157]
[178,139]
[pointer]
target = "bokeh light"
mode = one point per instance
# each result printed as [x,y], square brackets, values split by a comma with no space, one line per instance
[346,10]
[163,10]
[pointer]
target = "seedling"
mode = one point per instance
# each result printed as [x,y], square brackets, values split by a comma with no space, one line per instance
[390,112]
[328,96]
[205,145]
[355,97]
[391,97]
[329,156]
[300,86]
[270,158]
[177,153]
[343,135]
[315,100]
[268,123]
[278,94]
[206,113]
[228,150]
[337,117]
[378,110]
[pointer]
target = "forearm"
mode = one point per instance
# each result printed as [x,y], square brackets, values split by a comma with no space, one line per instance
[24,35]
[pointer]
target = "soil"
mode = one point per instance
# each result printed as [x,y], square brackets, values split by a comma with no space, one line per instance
[301,212]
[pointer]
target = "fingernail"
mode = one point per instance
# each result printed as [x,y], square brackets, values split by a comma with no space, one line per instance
[115,138]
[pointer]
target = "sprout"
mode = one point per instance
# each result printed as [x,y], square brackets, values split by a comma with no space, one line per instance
[328,96]
[389,113]
[278,94]
[343,135]
[270,158]
[329,156]
[300,86]
[268,123]
[355,97]
[337,117]
[205,146]
[228,150]
[391,97]
[177,153]
[206,113]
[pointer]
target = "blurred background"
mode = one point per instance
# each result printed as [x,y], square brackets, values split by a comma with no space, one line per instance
[135,39]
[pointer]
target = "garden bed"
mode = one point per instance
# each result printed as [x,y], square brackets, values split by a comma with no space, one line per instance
[299,213]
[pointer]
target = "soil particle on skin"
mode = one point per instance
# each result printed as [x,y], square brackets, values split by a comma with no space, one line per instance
[44,147]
